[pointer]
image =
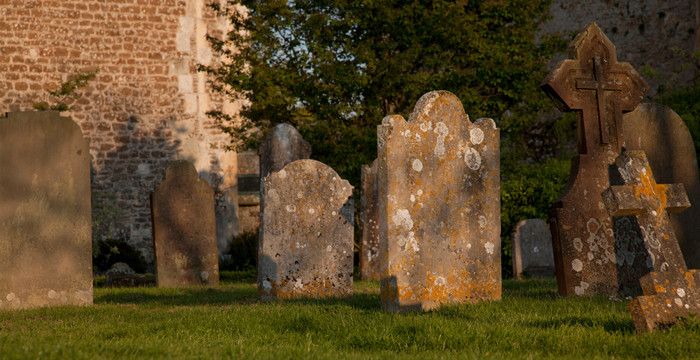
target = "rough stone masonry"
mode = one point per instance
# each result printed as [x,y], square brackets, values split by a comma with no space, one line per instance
[601,89]
[306,233]
[45,224]
[184,229]
[439,207]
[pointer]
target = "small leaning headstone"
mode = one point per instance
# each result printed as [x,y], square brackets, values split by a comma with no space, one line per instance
[439,207]
[670,290]
[184,229]
[532,249]
[45,212]
[369,249]
[306,242]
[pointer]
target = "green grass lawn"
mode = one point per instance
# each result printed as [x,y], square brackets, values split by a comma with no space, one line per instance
[229,322]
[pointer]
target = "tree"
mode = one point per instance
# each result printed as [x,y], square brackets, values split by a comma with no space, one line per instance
[335,68]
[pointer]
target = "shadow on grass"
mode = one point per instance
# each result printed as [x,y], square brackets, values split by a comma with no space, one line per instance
[359,301]
[609,325]
[180,297]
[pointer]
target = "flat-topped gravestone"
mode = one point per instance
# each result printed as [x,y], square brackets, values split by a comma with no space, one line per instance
[45,219]
[369,249]
[306,242]
[282,146]
[184,229]
[532,249]
[439,207]
[670,291]
[665,139]
[600,89]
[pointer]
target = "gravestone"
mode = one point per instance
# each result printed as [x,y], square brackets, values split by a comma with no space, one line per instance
[369,249]
[600,89]
[306,242]
[184,229]
[665,139]
[45,213]
[670,291]
[532,249]
[282,145]
[439,207]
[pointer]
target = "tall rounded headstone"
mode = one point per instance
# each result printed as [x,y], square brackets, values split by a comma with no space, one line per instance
[664,137]
[45,218]
[283,145]
[184,229]
[306,242]
[439,207]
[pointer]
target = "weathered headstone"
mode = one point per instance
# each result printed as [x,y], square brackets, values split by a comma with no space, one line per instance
[184,229]
[45,219]
[601,89]
[439,207]
[369,249]
[532,249]
[282,146]
[306,242]
[665,139]
[670,290]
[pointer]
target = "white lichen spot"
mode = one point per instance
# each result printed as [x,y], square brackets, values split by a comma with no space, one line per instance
[426,126]
[469,246]
[482,221]
[406,133]
[312,211]
[577,265]
[290,208]
[267,286]
[329,248]
[678,302]
[489,246]
[476,136]
[687,306]
[442,130]
[419,192]
[53,294]
[440,281]
[581,289]
[282,174]
[334,213]
[535,250]
[204,276]
[578,244]
[590,256]
[299,195]
[680,292]
[418,137]
[298,284]
[11,296]
[413,198]
[472,159]
[417,165]
[403,218]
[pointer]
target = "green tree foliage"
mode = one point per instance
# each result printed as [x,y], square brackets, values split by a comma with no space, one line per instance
[335,68]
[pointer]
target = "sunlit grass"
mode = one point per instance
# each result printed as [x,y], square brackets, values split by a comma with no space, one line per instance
[229,322]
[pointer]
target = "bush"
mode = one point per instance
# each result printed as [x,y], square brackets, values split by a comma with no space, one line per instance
[243,254]
[108,252]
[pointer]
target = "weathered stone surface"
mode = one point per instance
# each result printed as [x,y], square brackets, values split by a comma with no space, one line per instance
[282,146]
[670,290]
[532,249]
[369,249]
[665,139]
[306,233]
[439,207]
[184,229]
[45,220]
[601,89]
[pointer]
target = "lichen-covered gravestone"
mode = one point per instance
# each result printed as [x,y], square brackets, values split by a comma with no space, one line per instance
[439,207]
[532,249]
[664,137]
[670,290]
[369,249]
[601,89]
[282,145]
[184,229]
[45,220]
[306,242]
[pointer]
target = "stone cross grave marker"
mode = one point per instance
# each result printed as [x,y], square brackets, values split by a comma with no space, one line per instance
[532,249]
[601,89]
[670,289]
[439,207]
[45,212]
[282,145]
[369,249]
[667,142]
[184,229]
[306,243]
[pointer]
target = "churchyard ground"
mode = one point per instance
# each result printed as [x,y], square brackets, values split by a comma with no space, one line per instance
[230,321]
